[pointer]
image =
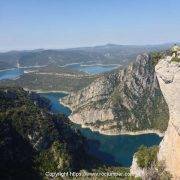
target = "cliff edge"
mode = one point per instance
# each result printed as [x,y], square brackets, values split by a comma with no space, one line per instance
[168,74]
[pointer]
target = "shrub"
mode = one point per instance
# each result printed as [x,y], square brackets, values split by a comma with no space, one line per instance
[155,57]
[175,59]
[146,156]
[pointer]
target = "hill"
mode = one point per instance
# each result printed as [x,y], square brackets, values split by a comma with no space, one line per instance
[107,54]
[34,141]
[51,78]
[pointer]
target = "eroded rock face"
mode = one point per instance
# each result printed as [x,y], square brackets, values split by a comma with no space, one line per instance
[168,74]
[122,101]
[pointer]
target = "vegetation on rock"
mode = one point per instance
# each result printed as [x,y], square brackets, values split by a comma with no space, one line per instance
[155,57]
[175,59]
[147,160]
[146,156]
[51,78]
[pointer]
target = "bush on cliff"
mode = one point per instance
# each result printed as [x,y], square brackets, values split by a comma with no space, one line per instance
[155,57]
[175,59]
[146,156]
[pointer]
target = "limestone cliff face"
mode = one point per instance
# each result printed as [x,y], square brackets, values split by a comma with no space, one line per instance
[168,74]
[122,101]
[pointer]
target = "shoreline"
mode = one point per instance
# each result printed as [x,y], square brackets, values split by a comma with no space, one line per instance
[8,69]
[22,67]
[113,132]
[69,64]
[108,132]
[94,64]
[45,91]
[135,133]
[116,133]
[67,107]
[102,65]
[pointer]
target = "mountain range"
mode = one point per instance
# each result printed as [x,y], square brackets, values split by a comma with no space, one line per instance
[107,54]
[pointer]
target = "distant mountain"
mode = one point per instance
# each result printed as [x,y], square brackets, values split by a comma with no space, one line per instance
[107,54]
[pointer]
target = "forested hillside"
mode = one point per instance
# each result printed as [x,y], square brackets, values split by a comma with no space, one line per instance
[33,140]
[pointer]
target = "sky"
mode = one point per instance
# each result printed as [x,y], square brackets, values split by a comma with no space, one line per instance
[34,24]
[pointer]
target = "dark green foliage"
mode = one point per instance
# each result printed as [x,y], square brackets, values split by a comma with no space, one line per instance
[58,69]
[33,140]
[16,154]
[55,158]
[152,111]
[48,82]
[155,57]
[146,156]
[160,112]
[175,59]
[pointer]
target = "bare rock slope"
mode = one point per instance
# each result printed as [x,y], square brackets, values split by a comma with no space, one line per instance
[123,101]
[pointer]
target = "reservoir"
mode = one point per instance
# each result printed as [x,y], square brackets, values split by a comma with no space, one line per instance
[11,73]
[90,69]
[113,150]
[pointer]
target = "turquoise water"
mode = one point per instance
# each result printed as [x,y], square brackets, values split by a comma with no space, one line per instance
[14,72]
[118,150]
[92,69]
[113,150]
[56,106]
[11,73]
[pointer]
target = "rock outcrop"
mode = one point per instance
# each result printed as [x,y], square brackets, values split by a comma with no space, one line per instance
[122,101]
[168,74]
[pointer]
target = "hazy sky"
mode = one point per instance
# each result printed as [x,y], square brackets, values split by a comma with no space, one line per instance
[29,24]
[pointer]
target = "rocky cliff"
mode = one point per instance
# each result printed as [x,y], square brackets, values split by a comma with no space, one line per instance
[168,74]
[122,101]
